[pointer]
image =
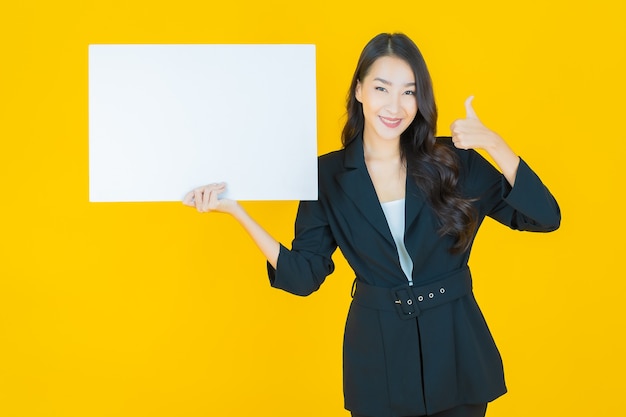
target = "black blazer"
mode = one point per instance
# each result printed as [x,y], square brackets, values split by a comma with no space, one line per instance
[443,357]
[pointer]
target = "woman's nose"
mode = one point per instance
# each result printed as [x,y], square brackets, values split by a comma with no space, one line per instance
[394,104]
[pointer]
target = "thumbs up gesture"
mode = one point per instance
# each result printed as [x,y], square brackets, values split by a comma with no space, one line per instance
[471,133]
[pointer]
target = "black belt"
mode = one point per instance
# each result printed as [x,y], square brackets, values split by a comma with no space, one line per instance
[408,301]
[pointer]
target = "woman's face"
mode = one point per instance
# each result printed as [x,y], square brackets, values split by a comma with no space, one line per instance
[387,93]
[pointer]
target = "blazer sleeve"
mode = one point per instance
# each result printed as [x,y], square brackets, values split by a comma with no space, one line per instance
[303,269]
[528,205]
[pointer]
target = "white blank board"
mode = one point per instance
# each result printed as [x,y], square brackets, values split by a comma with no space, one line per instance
[164,119]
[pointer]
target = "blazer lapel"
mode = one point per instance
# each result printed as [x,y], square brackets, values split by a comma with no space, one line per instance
[417,236]
[357,185]
[415,200]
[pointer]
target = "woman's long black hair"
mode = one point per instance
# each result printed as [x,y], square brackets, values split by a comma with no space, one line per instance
[433,165]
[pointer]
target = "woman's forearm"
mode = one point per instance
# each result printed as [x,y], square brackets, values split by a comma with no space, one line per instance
[505,159]
[264,241]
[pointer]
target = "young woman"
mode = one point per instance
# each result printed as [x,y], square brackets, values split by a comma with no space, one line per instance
[404,207]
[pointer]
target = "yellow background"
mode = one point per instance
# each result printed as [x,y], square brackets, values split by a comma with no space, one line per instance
[156,310]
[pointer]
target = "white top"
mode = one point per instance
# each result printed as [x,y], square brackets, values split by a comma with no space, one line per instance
[394,212]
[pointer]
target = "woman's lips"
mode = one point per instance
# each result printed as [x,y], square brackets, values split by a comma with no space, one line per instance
[390,122]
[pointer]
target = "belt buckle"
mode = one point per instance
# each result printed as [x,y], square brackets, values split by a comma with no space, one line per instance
[405,302]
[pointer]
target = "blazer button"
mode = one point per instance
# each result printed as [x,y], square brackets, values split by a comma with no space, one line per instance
[420,298]
[431,295]
[442,290]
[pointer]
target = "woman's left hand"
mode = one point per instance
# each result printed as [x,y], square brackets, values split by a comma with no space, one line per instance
[471,133]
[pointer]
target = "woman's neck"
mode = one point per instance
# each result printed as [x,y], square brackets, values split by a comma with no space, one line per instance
[381,150]
[385,168]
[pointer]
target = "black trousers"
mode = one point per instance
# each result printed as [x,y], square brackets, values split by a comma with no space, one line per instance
[474,410]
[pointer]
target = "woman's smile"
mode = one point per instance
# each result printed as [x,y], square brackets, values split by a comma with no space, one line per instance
[391,123]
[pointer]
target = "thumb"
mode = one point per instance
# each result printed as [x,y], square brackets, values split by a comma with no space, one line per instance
[469,110]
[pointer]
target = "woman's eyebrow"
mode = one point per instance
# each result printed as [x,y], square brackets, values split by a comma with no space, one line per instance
[390,83]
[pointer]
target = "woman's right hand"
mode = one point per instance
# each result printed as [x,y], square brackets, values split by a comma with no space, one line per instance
[205,199]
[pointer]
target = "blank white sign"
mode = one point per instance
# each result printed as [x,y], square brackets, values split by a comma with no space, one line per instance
[164,119]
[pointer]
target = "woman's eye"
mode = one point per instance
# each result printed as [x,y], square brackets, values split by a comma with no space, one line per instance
[380,89]
[409,93]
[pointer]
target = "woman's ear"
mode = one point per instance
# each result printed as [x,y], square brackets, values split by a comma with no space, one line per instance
[357,91]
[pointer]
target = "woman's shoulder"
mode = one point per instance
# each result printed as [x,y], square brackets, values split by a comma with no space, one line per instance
[332,159]
[473,168]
